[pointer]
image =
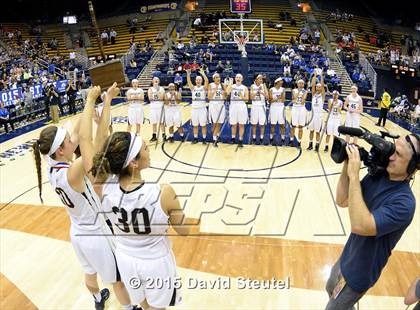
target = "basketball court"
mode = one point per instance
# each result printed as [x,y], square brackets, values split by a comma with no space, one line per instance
[266,213]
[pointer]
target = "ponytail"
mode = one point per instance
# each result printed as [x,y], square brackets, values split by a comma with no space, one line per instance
[100,165]
[37,155]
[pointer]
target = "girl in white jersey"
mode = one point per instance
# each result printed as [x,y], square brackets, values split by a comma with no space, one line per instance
[334,119]
[135,96]
[354,106]
[298,111]
[198,105]
[69,181]
[173,112]
[258,95]
[318,98]
[156,95]
[217,97]
[277,98]
[141,213]
[238,111]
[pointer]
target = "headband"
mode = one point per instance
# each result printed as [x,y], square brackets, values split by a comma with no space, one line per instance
[239,75]
[407,138]
[135,146]
[301,81]
[278,80]
[60,135]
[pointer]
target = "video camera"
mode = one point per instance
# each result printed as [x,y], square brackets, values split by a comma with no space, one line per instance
[376,160]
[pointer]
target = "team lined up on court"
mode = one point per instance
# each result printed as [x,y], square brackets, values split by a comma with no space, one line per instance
[225,104]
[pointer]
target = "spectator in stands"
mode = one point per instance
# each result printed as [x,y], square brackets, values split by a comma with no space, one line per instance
[113,35]
[160,37]
[284,58]
[53,44]
[213,45]
[209,55]
[180,45]
[5,118]
[287,70]
[317,35]
[104,37]
[293,22]
[220,68]
[255,37]
[178,81]
[228,68]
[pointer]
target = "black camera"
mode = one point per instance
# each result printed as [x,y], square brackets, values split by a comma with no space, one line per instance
[376,160]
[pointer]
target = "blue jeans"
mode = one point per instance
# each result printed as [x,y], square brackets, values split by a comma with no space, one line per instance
[347,298]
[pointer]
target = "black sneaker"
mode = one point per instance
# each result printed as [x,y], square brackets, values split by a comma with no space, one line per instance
[153,138]
[204,142]
[171,139]
[326,149]
[310,147]
[272,141]
[283,142]
[164,137]
[182,138]
[254,141]
[137,308]
[194,141]
[215,143]
[298,145]
[317,147]
[291,143]
[232,141]
[105,295]
[258,142]
[240,143]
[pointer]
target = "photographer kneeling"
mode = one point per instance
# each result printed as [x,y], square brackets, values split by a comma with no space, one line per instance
[381,208]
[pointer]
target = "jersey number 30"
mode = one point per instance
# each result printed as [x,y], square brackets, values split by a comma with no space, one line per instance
[124,225]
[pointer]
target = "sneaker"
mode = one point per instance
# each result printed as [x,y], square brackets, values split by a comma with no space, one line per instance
[194,141]
[105,295]
[310,147]
[164,137]
[182,138]
[298,145]
[232,141]
[153,139]
[240,143]
[254,141]
[283,142]
[215,143]
[326,149]
[137,308]
[258,142]
[204,142]
[171,139]
[317,147]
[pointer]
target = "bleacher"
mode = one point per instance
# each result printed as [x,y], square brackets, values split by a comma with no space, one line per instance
[119,48]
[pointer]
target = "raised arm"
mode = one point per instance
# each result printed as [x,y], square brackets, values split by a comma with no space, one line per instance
[190,84]
[206,79]
[322,87]
[313,85]
[86,144]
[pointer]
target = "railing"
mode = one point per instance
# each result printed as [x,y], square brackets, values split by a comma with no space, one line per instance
[371,73]
[82,60]
[144,67]
[45,65]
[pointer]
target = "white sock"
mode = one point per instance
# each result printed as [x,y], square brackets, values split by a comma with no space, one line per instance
[261,137]
[233,137]
[283,136]
[291,138]
[127,307]
[254,137]
[97,296]
[195,136]
[214,138]
[271,136]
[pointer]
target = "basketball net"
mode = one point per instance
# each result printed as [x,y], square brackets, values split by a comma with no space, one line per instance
[241,43]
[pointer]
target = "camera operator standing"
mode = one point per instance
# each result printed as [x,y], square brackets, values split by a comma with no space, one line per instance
[380,210]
